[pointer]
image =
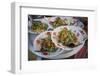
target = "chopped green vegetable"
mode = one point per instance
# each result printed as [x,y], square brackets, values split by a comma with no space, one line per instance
[58,22]
[67,37]
[38,26]
[47,45]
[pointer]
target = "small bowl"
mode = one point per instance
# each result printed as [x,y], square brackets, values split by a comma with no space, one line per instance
[30,23]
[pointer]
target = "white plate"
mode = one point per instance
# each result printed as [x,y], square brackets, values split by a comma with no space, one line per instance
[37,46]
[64,54]
[81,35]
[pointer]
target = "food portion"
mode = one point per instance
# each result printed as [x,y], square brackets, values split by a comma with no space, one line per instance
[67,38]
[38,27]
[47,45]
[58,22]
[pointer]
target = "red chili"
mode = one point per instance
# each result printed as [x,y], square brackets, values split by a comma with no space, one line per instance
[48,33]
[45,53]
